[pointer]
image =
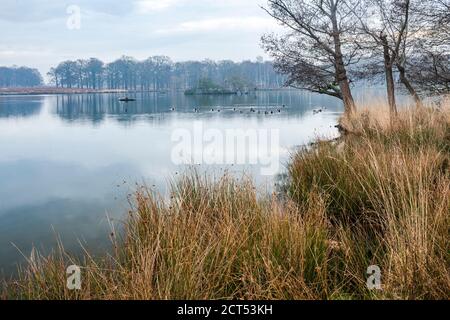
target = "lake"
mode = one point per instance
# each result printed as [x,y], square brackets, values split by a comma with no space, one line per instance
[68,162]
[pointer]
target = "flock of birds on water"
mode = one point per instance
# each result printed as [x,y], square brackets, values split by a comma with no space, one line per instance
[253,110]
[235,109]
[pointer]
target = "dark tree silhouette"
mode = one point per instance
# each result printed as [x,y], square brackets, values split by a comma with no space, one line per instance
[429,67]
[386,27]
[318,45]
[159,73]
[19,77]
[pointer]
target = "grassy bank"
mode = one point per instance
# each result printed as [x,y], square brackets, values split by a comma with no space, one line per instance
[379,196]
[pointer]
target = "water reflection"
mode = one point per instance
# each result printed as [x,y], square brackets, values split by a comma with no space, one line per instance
[68,161]
[156,107]
[19,107]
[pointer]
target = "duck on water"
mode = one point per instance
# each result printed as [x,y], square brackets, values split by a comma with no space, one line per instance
[126,99]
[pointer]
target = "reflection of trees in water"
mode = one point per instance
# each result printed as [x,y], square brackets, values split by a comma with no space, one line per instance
[155,106]
[80,107]
[97,107]
[20,109]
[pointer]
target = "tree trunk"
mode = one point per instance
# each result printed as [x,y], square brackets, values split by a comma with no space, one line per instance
[341,72]
[344,85]
[391,90]
[409,87]
[349,102]
[390,85]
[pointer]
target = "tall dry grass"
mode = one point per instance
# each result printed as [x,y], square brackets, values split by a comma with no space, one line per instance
[380,196]
[389,178]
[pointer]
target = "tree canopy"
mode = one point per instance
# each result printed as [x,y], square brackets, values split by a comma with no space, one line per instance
[161,73]
[19,77]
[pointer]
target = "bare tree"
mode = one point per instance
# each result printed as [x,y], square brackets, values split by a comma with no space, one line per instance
[379,59]
[318,46]
[392,28]
[430,67]
[399,21]
[160,73]
[384,36]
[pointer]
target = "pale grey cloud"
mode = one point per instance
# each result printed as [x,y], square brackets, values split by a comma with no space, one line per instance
[40,10]
[148,6]
[34,32]
[221,25]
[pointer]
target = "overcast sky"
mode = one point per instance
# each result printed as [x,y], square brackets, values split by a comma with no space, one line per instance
[35,32]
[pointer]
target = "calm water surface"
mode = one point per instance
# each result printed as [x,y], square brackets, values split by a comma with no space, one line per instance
[69,162]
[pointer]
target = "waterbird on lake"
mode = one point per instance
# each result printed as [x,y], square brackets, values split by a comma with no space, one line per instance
[316,111]
[126,99]
[172,109]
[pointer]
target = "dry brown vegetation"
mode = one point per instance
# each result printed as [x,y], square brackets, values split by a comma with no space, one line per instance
[379,196]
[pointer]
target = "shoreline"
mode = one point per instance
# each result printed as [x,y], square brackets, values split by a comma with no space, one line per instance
[58,91]
[67,91]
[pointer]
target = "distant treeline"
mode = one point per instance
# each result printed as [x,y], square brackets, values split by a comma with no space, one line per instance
[161,73]
[19,77]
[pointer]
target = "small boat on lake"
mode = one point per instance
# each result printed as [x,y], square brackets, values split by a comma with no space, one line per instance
[126,99]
